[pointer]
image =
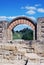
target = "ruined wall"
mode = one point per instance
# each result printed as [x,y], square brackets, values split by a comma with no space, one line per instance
[3,31]
[40,29]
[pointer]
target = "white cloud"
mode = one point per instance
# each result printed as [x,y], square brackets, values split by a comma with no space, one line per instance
[33,9]
[33,18]
[30,8]
[6,17]
[31,12]
[37,5]
[11,17]
[40,10]
[2,17]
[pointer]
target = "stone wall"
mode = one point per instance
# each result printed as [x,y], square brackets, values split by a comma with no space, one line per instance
[3,31]
[6,31]
[40,29]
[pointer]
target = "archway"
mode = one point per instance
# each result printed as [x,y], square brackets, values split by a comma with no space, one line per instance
[21,20]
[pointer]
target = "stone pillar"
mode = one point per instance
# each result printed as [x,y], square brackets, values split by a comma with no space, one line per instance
[38,30]
[9,35]
[33,34]
[4,35]
[4,31]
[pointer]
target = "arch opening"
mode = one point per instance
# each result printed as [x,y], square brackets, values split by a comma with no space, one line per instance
[22,31]
[22,20]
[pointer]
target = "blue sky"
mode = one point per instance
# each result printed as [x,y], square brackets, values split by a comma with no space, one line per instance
[10,9]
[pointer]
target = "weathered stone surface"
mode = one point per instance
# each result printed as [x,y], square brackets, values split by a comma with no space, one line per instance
[11,52]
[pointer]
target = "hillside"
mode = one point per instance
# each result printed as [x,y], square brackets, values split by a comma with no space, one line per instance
[26,34]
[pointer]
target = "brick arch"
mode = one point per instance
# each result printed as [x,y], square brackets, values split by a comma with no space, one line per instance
[23,20]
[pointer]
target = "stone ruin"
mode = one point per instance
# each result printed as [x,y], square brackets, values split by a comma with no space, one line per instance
[22,52]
